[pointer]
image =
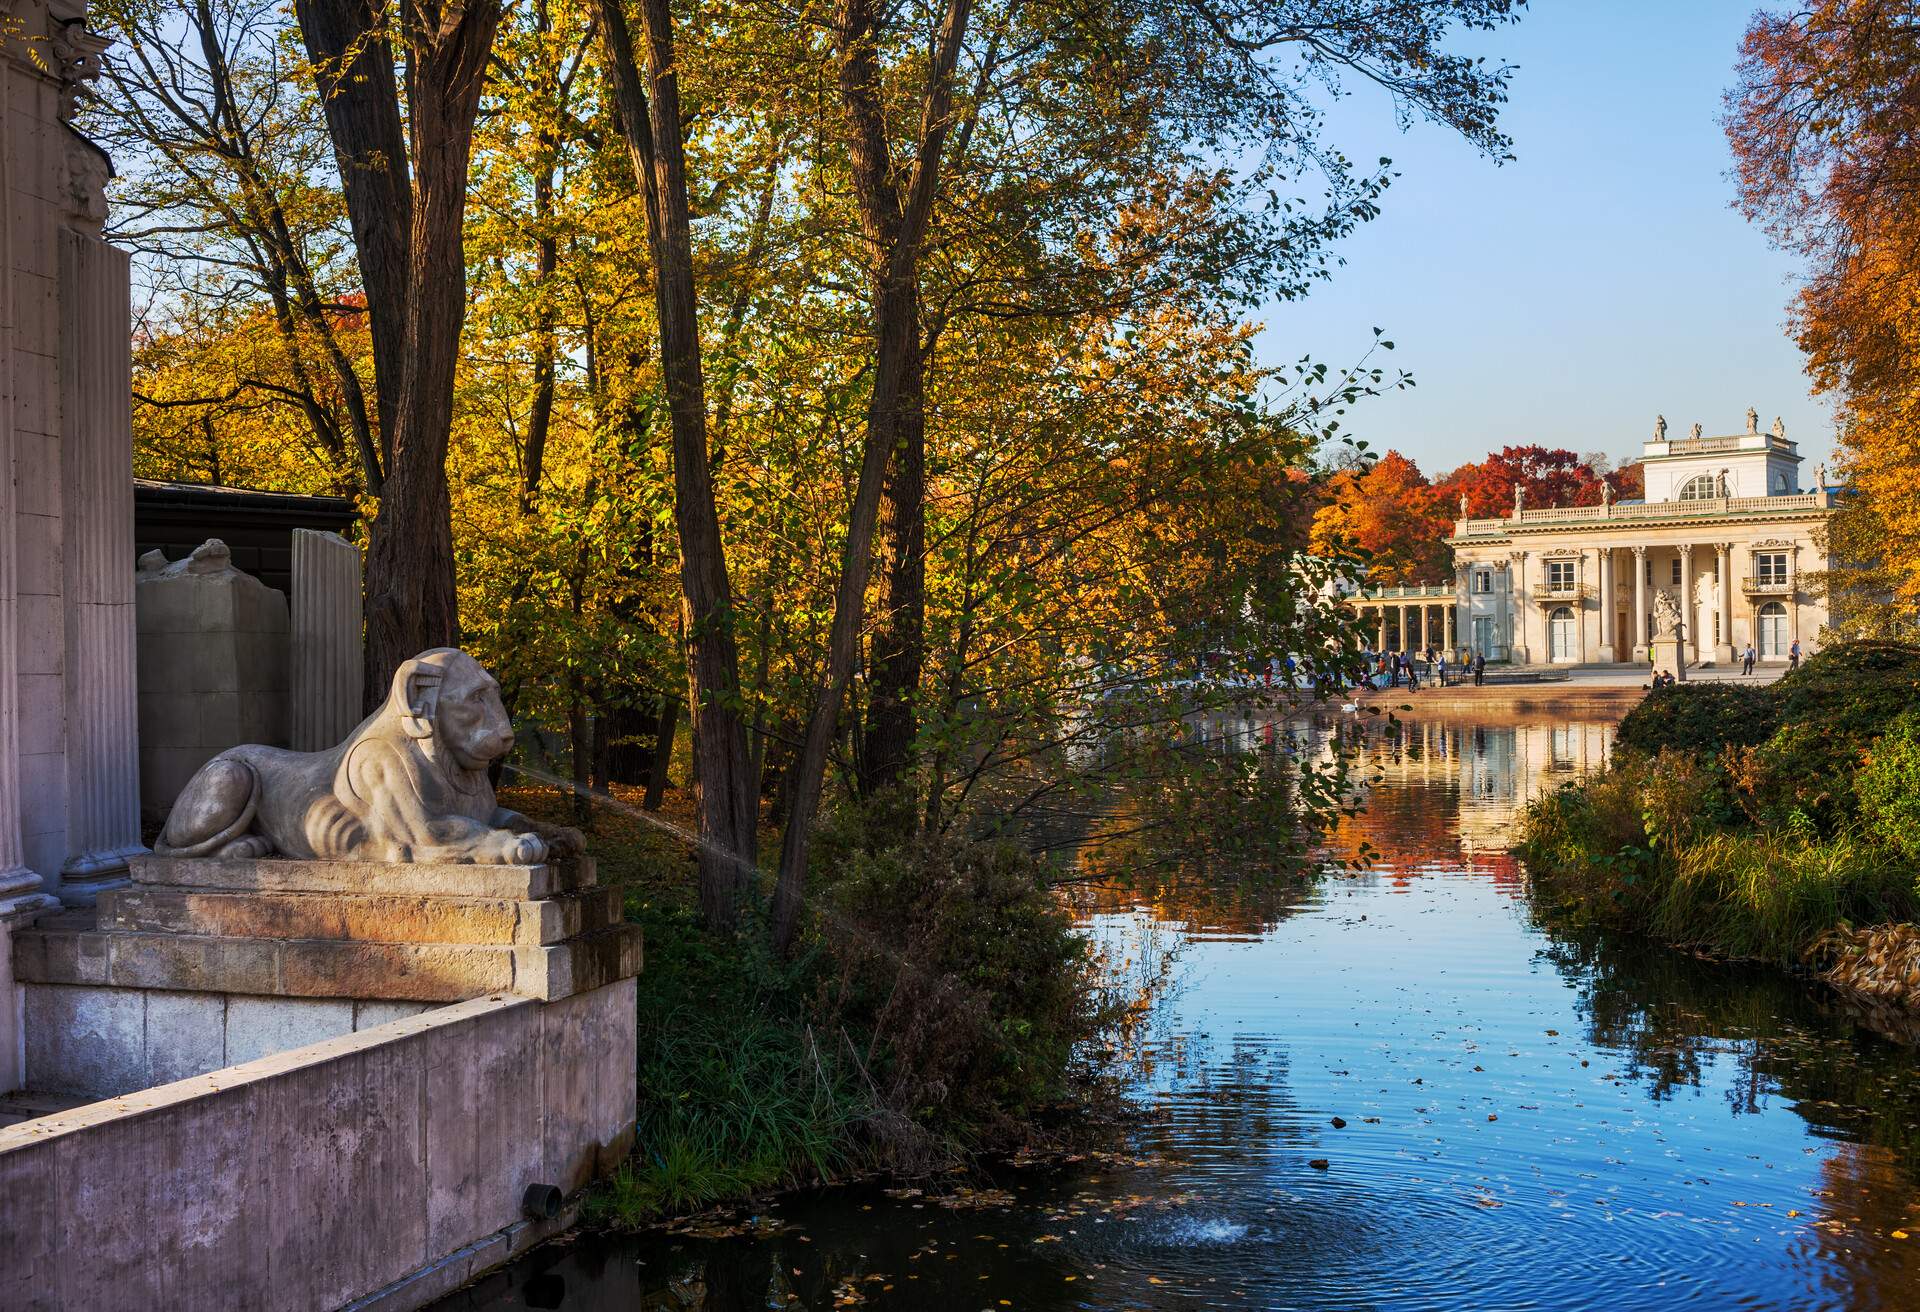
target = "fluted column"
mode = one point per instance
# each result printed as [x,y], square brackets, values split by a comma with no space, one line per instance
[326,677]
[1518,650]
[1639,603]
[1723,645]
[1687,615]
[1381,645]
[103,778]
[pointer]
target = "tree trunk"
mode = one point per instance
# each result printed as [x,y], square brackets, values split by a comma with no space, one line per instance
[896,332]
[659,774]
[898,649]
[358,91]
[727,805]
[413,266]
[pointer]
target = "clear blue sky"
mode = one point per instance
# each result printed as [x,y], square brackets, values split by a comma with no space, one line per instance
[1600,277]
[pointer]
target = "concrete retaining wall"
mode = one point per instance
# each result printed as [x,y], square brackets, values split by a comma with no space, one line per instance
[379,1169]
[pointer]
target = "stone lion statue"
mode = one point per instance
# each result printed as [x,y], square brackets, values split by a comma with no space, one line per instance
[410,784]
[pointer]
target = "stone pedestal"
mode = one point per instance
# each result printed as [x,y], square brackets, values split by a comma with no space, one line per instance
[1669,657]
[198,960]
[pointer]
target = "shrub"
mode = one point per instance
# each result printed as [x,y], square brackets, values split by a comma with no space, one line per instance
[966,978]
[1700,717]
[1887,787]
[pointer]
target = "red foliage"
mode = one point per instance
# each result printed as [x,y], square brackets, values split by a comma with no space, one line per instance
[1551,476]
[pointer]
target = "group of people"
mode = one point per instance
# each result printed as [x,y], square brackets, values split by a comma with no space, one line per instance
[1398,666]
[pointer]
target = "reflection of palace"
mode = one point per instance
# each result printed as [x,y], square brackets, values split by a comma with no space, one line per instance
[1493,765]
[1726,532]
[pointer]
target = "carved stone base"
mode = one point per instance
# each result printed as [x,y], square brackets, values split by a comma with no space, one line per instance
[1669,657]
[321,929]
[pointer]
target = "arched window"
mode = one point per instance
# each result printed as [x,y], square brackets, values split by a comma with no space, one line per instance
[1701,487]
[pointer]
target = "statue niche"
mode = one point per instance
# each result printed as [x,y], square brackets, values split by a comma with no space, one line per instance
[410,784]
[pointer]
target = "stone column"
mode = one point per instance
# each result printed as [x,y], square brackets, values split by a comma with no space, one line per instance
[22,892]
[1518,651]
[103,777]
[1723,649]
[1382,644]
[326,677]
[1687,615]
[1639,603]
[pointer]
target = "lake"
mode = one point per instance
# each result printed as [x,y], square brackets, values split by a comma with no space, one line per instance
[1394,1089]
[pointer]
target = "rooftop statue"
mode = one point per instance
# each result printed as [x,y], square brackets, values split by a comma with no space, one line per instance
[410,784]
[1519,498]
[1694,432]
[1463,505]
[1659,428]
[1753,420]
[1779,427]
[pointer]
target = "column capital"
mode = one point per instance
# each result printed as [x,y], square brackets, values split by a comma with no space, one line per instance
[1639,550]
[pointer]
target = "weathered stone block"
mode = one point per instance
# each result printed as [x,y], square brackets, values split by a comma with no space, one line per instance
[369,1013]
[260,1027]
[484,1118]
[196,963]
[422,972]
[85,1040]
[520,883]
[578,965]
[186,1035]
[589,1117]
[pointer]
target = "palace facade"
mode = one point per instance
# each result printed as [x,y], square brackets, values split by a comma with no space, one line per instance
[1727,529]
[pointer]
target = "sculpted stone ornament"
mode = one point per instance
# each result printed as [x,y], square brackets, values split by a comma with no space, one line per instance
[1779,427]
[410,784]
[1753,420]
[1659,428]
[1666,616]
[1694,432]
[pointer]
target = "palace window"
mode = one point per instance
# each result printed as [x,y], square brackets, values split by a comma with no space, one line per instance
[1483,580]
[1701,487]
[1770,566]
[1560,575]
[1676,571]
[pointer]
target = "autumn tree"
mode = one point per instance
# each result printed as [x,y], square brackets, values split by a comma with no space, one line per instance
[1389,510]
[1824,121]
[1545,476]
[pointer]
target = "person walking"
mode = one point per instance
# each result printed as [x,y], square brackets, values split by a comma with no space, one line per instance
[1746,661]
[1793,655]
[1440,669]
[1479,669]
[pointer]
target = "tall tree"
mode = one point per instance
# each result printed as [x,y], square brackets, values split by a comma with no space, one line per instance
[650,119]
[1824,121]
[403,171]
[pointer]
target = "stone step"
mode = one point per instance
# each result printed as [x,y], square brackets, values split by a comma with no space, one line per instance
[361,917]
[323,968]
[273,875]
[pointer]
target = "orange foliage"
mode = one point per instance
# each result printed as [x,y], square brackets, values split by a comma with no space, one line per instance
[1390,511]
[1824,121]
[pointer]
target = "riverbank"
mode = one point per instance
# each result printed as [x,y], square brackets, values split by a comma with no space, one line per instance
[1767,823]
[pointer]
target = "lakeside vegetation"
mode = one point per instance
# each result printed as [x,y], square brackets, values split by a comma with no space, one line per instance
[1748,821]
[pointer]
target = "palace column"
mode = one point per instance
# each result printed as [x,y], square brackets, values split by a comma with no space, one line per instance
[1517,651]
[1381,645]
[1793,595]
[1723,649]
[1639,603]
[103,780]
[1687,616]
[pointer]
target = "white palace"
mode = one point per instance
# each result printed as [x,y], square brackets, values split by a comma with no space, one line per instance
[1726,529]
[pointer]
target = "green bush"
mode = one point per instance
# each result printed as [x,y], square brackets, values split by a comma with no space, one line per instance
[966,978]
[1700,717]
[1887,788]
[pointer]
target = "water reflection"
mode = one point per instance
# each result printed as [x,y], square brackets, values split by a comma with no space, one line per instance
[1397,1089]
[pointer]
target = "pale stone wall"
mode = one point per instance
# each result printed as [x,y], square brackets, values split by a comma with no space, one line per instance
[213,667]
